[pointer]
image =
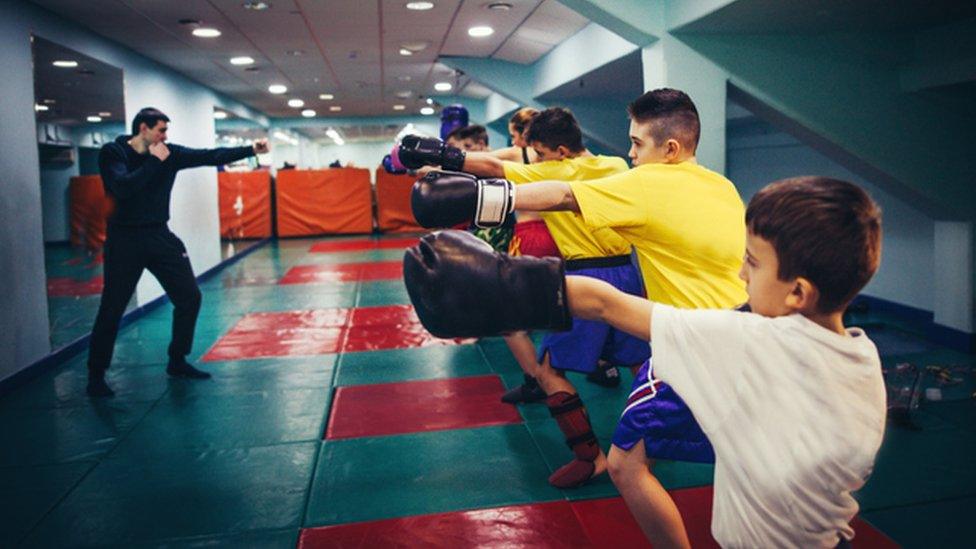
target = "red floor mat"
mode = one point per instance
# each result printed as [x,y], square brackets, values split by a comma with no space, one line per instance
[588,523]
[415,406]
[324,331]
[343,272]
[362,244]
[62,286]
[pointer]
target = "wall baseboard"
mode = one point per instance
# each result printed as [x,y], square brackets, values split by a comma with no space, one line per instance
[62,355]
[952,338]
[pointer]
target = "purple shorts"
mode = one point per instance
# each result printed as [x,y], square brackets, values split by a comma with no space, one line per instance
[588,341]
[657,415]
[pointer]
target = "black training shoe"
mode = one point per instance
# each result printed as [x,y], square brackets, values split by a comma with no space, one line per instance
[530,391]
[97,388]
[182,368]
[605,375]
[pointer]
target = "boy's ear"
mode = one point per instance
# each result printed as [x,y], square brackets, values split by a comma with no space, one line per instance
[673,151]
[803,296]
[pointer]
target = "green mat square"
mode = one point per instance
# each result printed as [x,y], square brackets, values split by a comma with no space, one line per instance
[29,492]
[411,364]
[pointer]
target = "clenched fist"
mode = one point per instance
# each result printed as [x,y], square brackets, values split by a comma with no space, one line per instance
[159,150]
[261,146]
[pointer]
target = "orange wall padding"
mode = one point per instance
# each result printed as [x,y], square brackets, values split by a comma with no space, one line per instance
[332,201]
[393,211]
[245,204]
[88,211]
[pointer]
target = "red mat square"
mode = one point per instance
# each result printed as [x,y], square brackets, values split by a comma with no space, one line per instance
[589,523]
[416,406]
[362,244]
[62,286]
[343,272]
[324,331]
[539,525]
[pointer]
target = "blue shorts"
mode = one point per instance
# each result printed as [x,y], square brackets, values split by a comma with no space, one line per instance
[657,415]
[588,341]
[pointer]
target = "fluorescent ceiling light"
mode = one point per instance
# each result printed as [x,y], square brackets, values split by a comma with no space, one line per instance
[220,115]
[308,113]
[40,108]
[405,52]
[206,32]
[257,6]
[65,63]
[285,137]
[326,96]
[427,110]
[480,31]
[335,108]
[277,89]
[415,46]
[420,6]
[399,107]
[332,133]
[94,119]
[296,103]
[443,86]
[242,60]
[104,114]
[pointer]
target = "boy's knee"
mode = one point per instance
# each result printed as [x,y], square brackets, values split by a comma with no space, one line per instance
[625,464]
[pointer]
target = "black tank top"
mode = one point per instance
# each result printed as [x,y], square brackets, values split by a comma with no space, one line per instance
[525,155]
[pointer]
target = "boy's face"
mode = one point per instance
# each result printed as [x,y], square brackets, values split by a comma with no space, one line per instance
[643,150]
[156,134]
[467,144]
[768,295]
[545,154]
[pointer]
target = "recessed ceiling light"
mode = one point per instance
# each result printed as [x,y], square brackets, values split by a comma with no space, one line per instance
[480,31]
[220,115]
[405,52]
[326,96]
[105,114]
[41,108]
[399,107]
[65,64]
[295,53]
[242,60]
[420,6]
[443,86]
[277,89]
[256,6]
[404,78]
[415,46]
[206,32]
[308,113]
[296,103]
[427,110]
[430,101]
[94,119]
[48,101]
[499,6]
[335,108]
[403,94]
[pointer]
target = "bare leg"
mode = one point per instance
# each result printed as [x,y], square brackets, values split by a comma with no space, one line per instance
[647,500]
[523,350]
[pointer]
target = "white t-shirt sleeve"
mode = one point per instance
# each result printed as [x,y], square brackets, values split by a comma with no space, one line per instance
[700,353]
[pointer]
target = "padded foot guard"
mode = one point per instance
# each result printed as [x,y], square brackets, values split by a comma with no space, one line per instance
[573,421]
[525,393]
[605,375]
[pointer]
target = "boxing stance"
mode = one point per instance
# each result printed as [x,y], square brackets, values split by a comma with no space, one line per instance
[138,172]
[557,139]
[793,402]
[686,225]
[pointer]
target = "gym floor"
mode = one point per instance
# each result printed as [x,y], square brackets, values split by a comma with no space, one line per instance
[334,420]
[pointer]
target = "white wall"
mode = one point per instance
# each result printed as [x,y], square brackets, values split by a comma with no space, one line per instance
[55,180]
[760,154]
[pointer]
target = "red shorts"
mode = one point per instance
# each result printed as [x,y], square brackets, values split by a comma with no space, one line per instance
[532,238]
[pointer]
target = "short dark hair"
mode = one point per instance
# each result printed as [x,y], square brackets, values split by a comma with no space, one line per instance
[673,116]
[522,118]
[825,230]
[475,132]
[148,116]
[554,127]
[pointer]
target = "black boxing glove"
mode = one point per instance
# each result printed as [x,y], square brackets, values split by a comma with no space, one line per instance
[461,287]
[444,199]
[415,152]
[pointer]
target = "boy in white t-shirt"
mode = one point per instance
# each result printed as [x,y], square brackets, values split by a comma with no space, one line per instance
[792,401]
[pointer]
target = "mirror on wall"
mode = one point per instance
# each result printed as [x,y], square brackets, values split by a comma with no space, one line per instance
[79,106]
[244,187]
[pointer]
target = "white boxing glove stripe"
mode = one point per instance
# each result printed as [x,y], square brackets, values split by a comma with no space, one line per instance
[494,202]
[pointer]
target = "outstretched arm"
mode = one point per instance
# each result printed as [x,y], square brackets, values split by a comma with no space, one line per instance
[546,196]
[484,164]
[594,299]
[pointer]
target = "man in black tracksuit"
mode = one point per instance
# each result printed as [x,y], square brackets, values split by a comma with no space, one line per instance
[138,171]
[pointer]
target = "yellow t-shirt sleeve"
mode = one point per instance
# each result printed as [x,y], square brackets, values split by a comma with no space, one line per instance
[616,201]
